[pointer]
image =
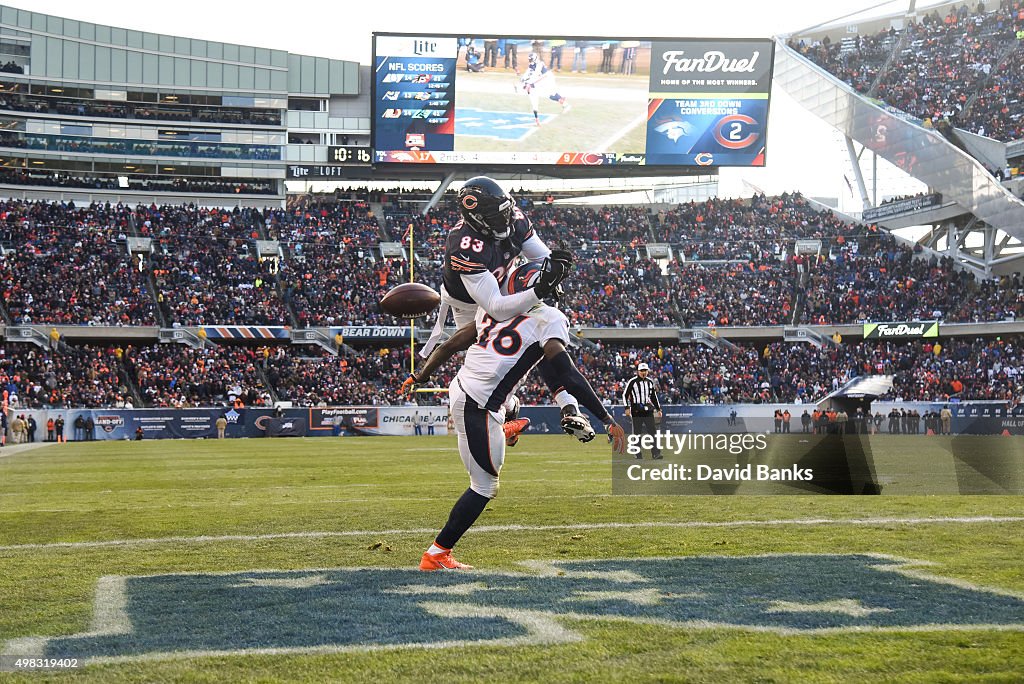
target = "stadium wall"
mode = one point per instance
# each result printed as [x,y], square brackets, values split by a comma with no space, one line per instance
[969,418]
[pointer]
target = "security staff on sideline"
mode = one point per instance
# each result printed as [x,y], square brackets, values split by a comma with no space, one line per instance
[641,399]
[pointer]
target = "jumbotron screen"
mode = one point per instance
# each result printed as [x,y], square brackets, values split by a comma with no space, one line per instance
[544,101]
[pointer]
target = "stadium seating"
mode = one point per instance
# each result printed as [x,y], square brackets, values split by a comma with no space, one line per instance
[963,67]
[69,265]
[180,377]
[731,264]
[369,377]
[80,376]
[979,368]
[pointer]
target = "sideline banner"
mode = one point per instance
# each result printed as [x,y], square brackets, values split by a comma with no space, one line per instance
[968,418]
[874,331]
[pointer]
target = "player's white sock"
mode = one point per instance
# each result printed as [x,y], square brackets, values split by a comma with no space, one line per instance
[436,550]
[564,399]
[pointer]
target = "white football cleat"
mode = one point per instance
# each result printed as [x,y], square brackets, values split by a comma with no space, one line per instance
[576,424]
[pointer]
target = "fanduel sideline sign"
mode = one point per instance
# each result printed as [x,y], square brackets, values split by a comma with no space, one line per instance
[888,331]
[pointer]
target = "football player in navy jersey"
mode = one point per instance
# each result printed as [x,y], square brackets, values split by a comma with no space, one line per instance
[479,253]
[501,353]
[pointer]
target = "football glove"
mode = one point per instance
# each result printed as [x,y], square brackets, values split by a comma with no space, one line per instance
[556,269]
[409,386]
[618,437]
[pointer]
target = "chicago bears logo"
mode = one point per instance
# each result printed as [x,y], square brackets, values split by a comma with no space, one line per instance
[470,202]
[359,609]
[704,159]
[733,132]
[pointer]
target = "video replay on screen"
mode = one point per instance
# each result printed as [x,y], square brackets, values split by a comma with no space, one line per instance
[546,101]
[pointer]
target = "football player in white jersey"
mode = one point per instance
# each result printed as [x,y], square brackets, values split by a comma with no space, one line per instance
[500,354]
[539,81]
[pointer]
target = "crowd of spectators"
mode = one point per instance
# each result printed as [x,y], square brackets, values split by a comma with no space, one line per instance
[368,377]
[732,293]
[760,229]
[944,63]
[79,376]
[206,268]
[876,279]
[70,265]
[922,370]
[781,372]
[333,274]
[937,370]
[732,262]
[582,226]
[997,111]
[616,285]
[178,376]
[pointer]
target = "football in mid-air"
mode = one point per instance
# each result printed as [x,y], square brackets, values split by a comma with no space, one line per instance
[410,300]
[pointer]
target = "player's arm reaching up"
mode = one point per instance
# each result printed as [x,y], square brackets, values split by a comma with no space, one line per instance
[477,248]
[486,292]
[461,340]
[534,248]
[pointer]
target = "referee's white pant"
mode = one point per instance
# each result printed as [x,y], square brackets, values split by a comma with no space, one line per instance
[481,440]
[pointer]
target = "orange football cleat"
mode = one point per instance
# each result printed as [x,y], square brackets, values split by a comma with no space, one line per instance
[441,561]
[513,428]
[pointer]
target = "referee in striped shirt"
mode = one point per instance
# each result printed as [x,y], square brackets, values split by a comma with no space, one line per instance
[642,405]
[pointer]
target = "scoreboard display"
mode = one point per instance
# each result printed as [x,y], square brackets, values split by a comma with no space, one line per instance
[548,101]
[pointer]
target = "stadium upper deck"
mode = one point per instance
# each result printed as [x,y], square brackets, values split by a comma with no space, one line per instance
[101,111]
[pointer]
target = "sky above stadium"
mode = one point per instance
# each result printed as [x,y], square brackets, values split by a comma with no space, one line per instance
[342,30]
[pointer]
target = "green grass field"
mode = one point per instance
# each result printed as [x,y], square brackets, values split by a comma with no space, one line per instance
[189,522]
[609,113]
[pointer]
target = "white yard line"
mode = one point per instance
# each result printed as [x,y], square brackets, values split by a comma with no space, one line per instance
[15,449]
[609,144]
[483,529]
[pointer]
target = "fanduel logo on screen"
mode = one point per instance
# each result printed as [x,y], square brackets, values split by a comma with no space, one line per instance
[710,62]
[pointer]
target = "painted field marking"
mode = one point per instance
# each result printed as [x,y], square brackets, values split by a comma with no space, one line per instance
[776,593]
[484,529]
